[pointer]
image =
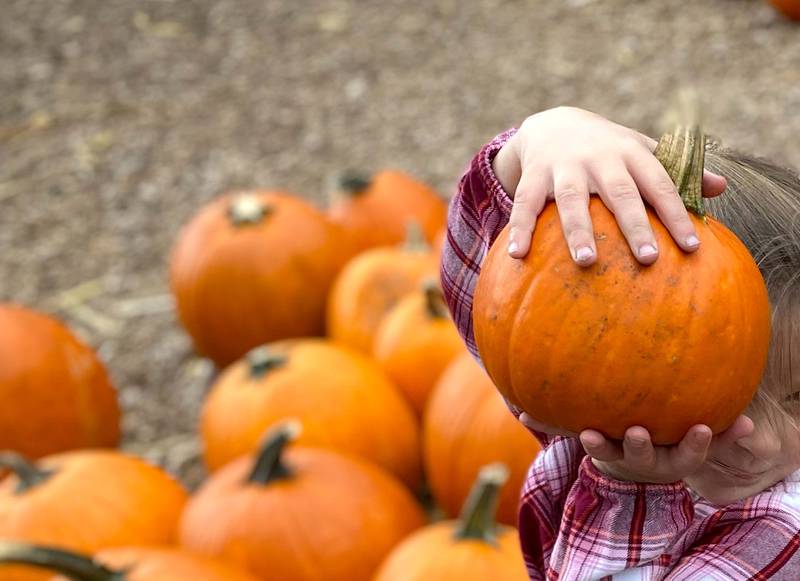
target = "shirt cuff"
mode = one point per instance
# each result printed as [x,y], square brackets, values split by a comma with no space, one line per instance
[486,156]
[591,477]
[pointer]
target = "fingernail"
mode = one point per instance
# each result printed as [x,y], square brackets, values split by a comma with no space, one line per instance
[692,241]
[583,254]
[647,250]
[637,442]
[513,247]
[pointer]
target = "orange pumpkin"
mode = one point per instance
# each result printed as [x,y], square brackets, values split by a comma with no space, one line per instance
[123,564]
[371,284]
[303,514]
[468,425]
[343,399]
[85,501]
[473,548]
[617,344]
[57,395]
[376,211]
[415,342]
[254,267]
[789,8]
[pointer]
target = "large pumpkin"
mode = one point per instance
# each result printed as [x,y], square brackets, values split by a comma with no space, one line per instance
[254,267]
[468,425]
[416,341]
[375,211]
[371,284]
[122,564]
[789,8]
[617,344]
[302,514]
[473,548]
[86,501]
[343,399]
[55,394]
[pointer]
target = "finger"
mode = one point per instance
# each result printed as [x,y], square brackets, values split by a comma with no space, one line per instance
[638,449]
[571,193]
[529,199]
[529,422]
[713,184]
[691,451]
[740,428]
[657,188]
[599,447]
[620,194]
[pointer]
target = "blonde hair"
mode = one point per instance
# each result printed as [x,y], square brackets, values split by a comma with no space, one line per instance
[762,207]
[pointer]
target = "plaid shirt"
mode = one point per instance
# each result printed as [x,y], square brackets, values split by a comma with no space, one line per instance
[575,523]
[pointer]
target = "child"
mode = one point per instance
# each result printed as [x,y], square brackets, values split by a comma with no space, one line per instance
[722,507]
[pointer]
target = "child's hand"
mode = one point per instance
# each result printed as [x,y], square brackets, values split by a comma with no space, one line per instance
[636,459]
[566,153]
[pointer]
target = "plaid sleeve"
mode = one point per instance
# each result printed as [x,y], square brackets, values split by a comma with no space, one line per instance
[478,211]
[589,526]
[758,539]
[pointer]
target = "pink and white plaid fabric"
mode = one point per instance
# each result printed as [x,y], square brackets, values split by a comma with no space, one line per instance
[576,523]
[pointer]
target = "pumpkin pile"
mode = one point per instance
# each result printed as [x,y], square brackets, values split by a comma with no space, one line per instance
[345,422]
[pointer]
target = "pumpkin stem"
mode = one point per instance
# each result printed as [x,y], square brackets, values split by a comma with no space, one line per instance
[477,520]
[72,565]
[268,466]
[682,153]
[415,238]
[247,209]
[353,183]
[262,361]
[434,299]
[27,474]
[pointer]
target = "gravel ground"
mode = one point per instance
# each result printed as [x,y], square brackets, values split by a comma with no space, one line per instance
[118,119]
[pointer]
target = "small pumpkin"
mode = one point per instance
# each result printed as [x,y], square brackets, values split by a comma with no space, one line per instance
[617,344]
[416,341]
[375,210]
[122,564]
[471,548]
[301,513]
[343,399]
[468,425]
[55,391]
[789,8]
[86,501]
[253,267]
[371,284]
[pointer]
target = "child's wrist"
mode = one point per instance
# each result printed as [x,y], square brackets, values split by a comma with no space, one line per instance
[507,168]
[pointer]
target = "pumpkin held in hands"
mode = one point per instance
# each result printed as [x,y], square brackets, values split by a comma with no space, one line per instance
[617,344]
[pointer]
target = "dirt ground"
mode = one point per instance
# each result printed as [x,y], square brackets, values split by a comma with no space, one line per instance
[118,119]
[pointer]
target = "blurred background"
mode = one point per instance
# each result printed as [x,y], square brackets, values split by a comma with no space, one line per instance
[118,119]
